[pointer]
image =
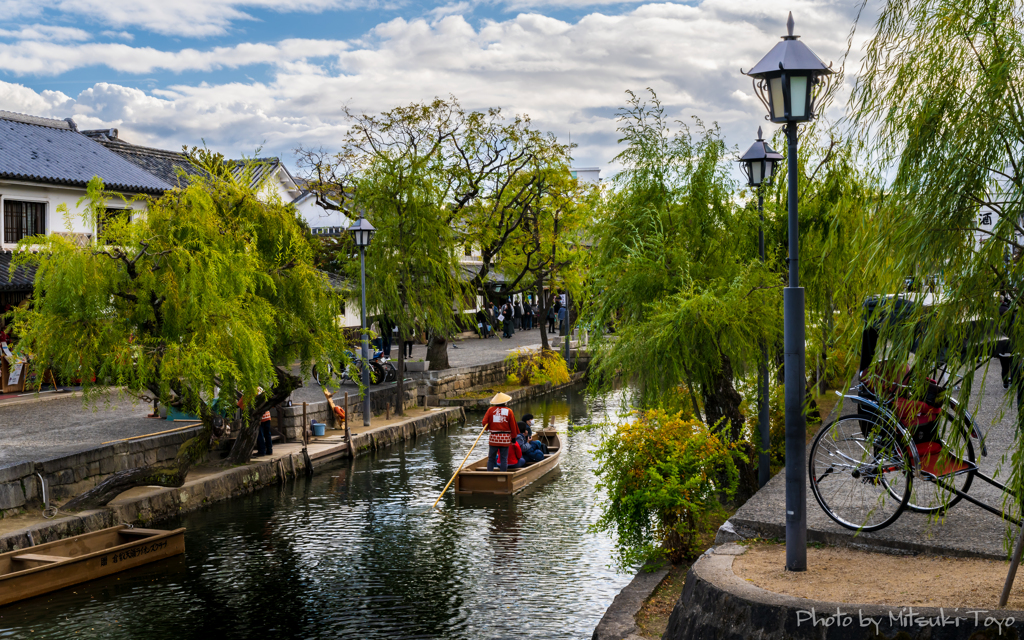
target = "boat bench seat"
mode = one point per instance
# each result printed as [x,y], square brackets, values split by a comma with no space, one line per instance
[39,557]
[139,532]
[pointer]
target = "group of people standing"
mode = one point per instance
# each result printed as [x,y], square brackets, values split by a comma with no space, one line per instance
[511,444]
[523,314]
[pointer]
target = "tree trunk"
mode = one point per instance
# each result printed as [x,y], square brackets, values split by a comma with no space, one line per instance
[542,313]
[437,353]
[400,383]
[722,401]
[241,450]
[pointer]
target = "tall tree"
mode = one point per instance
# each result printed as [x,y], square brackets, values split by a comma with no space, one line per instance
[689,313]
[210,295]
[940,102]
[484,170]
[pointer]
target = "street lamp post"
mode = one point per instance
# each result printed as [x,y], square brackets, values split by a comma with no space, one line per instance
[759,164]
[784,80]
[362,232]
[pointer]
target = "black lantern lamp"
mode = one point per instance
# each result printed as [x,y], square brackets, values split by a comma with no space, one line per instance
[785,79]
[759,162]
[362,231]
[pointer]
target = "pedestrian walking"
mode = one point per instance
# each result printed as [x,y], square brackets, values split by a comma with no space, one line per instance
[563,317]
[551,319]
[521,312]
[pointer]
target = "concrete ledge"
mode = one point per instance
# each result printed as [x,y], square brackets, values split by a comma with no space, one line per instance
[716,603]
[619,621]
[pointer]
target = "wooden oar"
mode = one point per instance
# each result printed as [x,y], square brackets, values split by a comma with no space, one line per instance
[459,469]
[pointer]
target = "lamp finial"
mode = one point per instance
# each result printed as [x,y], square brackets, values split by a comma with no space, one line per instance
[759,133]
[790,24]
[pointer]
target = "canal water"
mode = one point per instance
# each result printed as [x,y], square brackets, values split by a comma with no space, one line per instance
[351,554]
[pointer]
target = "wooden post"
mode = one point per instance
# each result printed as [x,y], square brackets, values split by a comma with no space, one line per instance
[348,435]
[303,424]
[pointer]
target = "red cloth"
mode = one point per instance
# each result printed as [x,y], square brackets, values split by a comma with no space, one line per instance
[514,453]
[501,419]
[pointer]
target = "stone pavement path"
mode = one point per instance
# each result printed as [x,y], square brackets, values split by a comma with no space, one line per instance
[41,427]
[967,530]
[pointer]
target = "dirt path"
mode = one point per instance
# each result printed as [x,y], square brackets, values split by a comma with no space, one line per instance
[838,574]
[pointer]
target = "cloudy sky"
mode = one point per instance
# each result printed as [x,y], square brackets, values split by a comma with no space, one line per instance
[242,74]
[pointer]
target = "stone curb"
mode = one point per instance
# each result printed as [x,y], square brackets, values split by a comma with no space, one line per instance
[619,620]
[716,603]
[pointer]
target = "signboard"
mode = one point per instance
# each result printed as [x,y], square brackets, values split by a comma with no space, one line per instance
[15,376]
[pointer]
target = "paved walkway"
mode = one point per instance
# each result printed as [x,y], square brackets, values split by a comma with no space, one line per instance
[50,425]
[967,530]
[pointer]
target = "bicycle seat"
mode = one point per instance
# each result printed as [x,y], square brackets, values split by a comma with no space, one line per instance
[937,462]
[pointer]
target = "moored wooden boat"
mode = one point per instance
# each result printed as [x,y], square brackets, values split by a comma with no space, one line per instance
[476,479]
[55,565]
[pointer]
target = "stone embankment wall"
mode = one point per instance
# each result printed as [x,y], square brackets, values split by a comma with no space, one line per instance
[70,475]
[162,503]
[516,395]
[437,387]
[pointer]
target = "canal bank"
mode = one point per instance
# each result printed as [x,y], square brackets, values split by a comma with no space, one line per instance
[210,483]
[357,552]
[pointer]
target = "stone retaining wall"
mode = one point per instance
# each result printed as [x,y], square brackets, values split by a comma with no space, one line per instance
[516,395]
[160,504]
[72,474]
[716,603]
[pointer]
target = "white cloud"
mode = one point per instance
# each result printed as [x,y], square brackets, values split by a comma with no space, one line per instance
[566,76]
[47,33]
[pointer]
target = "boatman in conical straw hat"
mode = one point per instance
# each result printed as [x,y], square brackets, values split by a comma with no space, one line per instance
[502,428]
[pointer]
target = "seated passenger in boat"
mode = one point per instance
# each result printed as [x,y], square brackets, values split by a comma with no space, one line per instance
[526,426]
[532,449]
[515,456]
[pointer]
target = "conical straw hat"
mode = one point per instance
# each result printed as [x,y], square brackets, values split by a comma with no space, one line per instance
[501,398]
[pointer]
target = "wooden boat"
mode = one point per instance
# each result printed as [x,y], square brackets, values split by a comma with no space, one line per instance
[55,565]
[476,479]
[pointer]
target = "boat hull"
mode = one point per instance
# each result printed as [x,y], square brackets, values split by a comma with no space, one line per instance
[475,479]
[30,572]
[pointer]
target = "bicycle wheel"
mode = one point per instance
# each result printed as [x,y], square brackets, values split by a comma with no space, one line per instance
[322,377]
[927,496]
[854,476]
[376,373]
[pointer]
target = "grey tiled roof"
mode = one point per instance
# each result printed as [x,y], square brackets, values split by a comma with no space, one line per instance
[23,277]
[168,166]
[262,168]
[54,152]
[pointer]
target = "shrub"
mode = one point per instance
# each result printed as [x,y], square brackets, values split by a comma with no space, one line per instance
[665,475]
[536,367]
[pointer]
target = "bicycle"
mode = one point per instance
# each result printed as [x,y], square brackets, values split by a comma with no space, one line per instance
[868,467]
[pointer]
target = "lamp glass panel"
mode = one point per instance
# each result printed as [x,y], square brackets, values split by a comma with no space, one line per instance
[778,101]
[798,96]
[755,173]
[769,167]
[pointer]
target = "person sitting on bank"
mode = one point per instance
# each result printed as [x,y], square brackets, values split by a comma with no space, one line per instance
[501,423]
[526,426]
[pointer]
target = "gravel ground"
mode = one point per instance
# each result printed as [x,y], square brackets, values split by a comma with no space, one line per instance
[58,426]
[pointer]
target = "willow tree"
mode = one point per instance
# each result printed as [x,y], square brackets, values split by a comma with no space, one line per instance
[941,102]
[211,295]
[689,311]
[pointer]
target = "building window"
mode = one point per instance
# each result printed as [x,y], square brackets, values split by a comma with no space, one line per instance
[23,219]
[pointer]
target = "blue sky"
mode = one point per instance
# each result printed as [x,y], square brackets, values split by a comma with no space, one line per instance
[242,74]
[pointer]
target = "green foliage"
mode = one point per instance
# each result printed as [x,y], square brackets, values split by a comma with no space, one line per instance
[941,108]
[213,287]
[664,474]
[689,309]
[536,367]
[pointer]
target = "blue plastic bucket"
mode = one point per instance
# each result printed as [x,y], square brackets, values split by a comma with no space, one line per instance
[319,428]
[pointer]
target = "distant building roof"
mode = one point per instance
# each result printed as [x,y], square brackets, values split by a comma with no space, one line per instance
[54,152]
[169,166]
[262,170]
[23,277]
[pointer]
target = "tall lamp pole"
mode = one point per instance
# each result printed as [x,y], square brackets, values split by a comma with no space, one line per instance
[362,232]
[784,80]
[759,163]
